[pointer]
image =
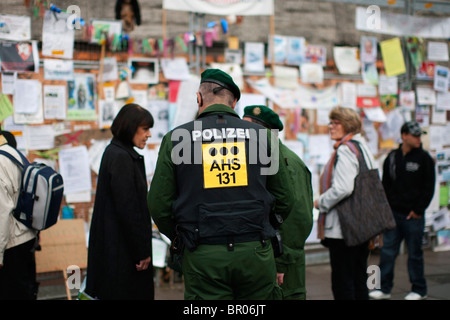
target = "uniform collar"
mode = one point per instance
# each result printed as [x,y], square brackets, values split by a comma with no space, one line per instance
[217,108]
[127,147]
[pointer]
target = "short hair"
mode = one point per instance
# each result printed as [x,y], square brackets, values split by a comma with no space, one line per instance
[349,118]
[130,117]
[209,96]
[10,139]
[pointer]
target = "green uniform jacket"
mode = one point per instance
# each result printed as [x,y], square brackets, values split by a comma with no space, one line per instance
[163,189]
[296,228]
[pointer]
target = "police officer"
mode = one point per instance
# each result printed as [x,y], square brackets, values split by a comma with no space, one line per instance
[217,183]
[295,230]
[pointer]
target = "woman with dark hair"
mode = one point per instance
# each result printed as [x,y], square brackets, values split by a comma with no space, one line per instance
[120,239]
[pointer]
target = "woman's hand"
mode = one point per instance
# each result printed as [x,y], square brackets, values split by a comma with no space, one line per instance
[316,203]
[143,264]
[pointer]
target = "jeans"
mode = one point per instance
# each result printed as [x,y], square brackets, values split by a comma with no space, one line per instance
[412,232]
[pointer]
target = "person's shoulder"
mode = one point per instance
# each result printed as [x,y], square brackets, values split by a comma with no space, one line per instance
[7,148]
[426,155]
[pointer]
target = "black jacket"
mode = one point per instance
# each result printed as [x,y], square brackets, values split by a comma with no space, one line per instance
[409,180]
[121,231]
[222,200]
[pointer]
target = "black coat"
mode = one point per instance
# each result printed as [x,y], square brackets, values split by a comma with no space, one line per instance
[121,232]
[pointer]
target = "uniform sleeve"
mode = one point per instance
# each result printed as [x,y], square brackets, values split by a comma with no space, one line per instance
[163,190]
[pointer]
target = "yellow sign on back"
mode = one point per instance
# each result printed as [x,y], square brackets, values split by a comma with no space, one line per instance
[224,165]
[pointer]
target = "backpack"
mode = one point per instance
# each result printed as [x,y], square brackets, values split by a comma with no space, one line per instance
[41,192]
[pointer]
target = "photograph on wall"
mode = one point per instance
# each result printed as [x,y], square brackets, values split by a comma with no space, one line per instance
[368,54]
[316,54]
[426,71]
[295,50]
[81,94]
[19,56]
[144,70]
[105,29]
[107,110]
[254,57]
[277,48]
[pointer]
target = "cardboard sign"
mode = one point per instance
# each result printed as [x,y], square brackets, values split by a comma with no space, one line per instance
[63,245]
[224,165]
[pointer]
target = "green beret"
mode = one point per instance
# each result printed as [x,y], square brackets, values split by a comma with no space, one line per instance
[222,79]
[264,115]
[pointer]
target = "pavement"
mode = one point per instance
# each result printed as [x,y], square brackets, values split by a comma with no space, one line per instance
[318,279]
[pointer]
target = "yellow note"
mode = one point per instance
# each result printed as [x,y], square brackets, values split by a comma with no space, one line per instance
[391,51]
[224,165]
[233,43]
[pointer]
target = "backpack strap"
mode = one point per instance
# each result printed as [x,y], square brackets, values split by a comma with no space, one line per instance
[14,159]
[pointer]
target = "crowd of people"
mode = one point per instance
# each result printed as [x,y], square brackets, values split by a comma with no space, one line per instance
[236,203]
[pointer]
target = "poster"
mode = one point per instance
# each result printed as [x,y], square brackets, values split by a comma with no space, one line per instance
[144,70]
[30,103]
[56,69]
[254,57]
[316,54]
[346,59]
[81,95]
[295,50]
[15,28]
[105,29]
[57,39]
[368,57]
[405,25]
[75,170]
[394,63]
[441,78]
[107,110]
[55,101]
[19,56]
[223,7]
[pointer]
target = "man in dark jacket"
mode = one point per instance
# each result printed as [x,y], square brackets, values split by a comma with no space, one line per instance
[212,195]
[409,181]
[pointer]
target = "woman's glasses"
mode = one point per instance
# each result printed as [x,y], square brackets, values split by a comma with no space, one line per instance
[334,123]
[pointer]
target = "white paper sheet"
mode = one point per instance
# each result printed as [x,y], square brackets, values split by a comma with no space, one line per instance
[40,137]
[55,101]
[175,69]
[57,39]
[75,170]
[26,95]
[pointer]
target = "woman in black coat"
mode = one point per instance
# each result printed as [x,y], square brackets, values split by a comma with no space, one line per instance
[120,239]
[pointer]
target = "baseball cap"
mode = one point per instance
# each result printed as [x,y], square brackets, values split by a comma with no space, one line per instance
[265,115]
[222,79]
[413,128]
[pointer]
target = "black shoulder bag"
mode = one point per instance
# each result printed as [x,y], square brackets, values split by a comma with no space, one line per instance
[366,212]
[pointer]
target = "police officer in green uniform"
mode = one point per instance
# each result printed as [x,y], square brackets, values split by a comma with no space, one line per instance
[217,184]
[294,230]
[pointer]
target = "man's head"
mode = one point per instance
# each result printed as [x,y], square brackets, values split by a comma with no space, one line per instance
[264,116]
[217,86]
[411,133]
[8,137]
